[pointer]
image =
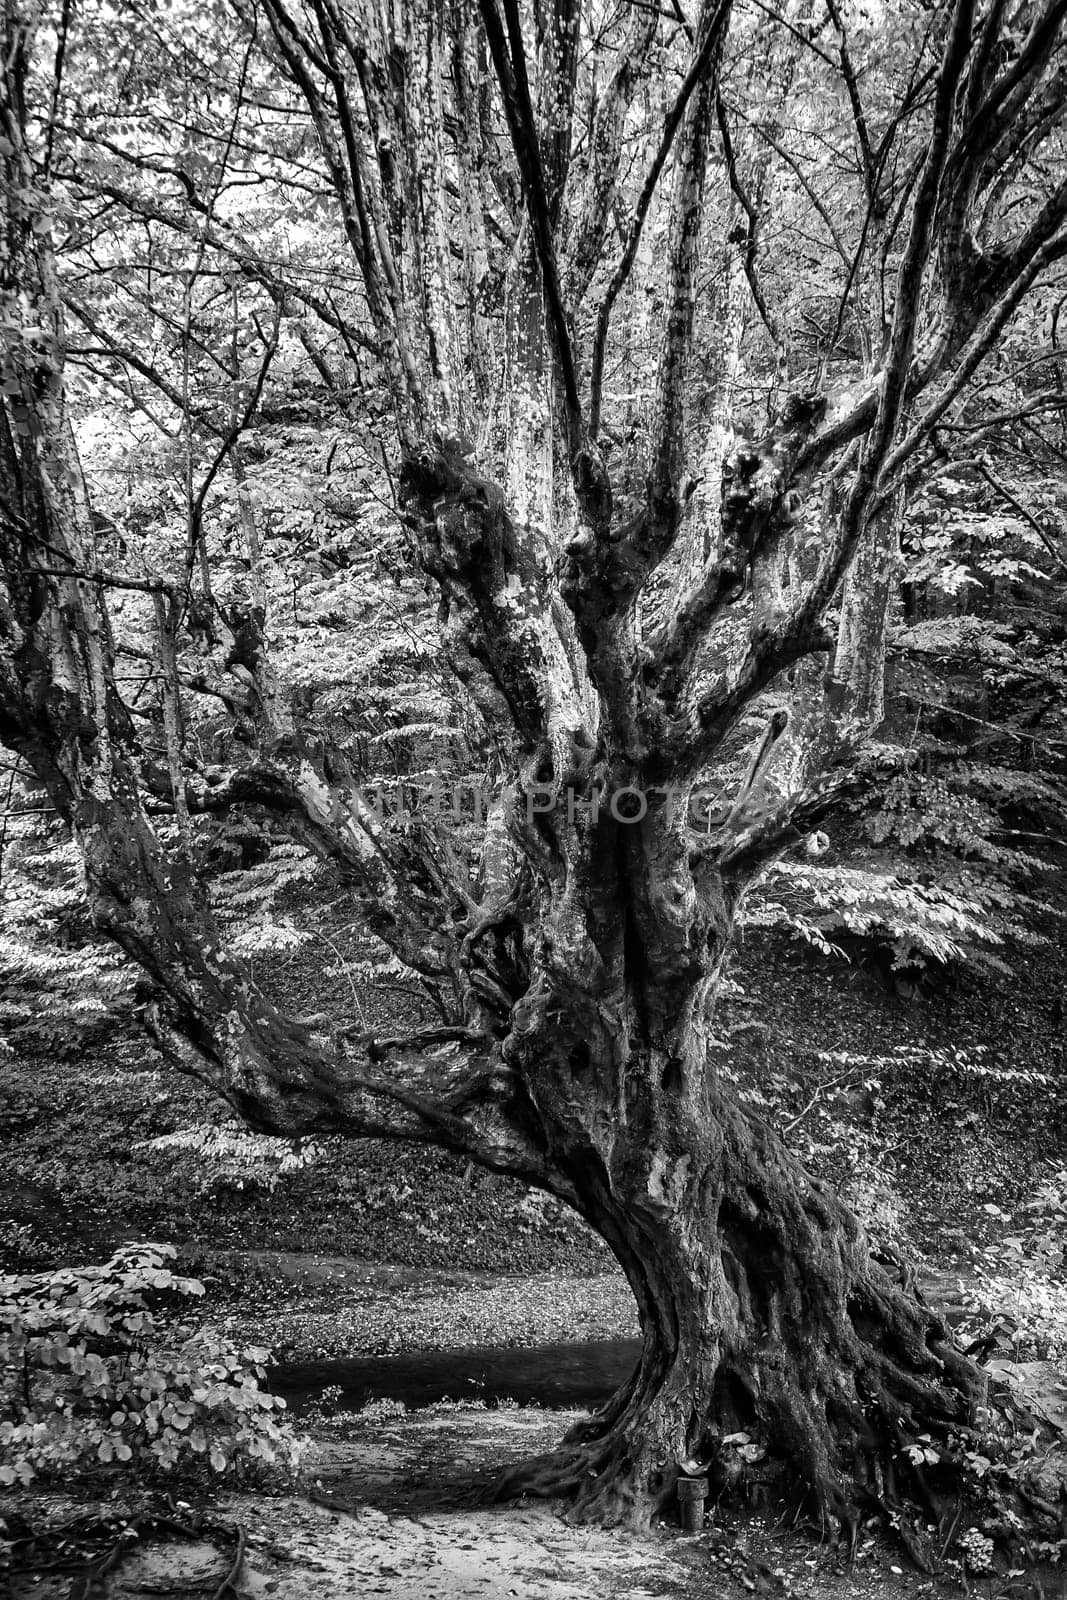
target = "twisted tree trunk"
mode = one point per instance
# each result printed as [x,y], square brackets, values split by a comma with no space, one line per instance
[761,1308]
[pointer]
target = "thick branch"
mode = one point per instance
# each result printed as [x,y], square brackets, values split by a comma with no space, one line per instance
[683,244]
[337,824]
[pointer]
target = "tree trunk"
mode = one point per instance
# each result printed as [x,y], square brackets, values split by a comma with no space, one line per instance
[761,1311]
[761,1308]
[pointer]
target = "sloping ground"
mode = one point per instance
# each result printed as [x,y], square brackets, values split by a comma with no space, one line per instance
[369,1310]
[923,1109]
[75,1179]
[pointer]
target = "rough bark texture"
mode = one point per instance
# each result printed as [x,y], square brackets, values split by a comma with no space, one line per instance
[762,1311]
[760,1306]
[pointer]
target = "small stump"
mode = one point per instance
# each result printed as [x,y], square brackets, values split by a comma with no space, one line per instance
[692,1493]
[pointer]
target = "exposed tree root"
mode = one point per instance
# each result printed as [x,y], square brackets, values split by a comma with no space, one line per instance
[91,1572]
[95,1575]
[591,1478]
[228,1586]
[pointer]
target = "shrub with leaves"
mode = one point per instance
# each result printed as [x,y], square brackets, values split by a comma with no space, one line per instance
[245,900]
[60,985]
[88,1377]
[940,858]
[1022,1273]
[916,922]
[228,1156]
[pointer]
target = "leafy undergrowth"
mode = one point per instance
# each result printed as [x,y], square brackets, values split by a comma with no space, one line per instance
[90,1376]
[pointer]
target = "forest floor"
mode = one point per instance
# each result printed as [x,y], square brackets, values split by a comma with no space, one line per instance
[395,1506]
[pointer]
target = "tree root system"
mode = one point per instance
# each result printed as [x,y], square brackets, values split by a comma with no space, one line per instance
[72,1547]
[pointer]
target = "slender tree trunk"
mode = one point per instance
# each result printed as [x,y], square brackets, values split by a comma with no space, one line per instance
[865,612]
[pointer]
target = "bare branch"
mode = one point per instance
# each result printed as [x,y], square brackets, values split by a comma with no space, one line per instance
[974,352]
[1028,517]
[709,44]
[606,152]
[509,62]
[917,251]
[752,218]
[147,369]
[249,262]
[110,580]
[1050,400]
[232,435]
[859,117]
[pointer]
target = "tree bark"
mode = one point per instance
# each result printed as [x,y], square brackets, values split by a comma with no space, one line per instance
[761,1307]
[761,1311]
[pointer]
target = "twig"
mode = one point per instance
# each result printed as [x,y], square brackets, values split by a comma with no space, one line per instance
[947,1546]
[97,1571]
[228,1586]
[830,1083]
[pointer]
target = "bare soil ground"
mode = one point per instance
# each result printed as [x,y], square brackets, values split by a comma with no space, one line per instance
[395,1507]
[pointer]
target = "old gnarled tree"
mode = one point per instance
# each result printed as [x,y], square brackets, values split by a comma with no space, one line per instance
[528,194]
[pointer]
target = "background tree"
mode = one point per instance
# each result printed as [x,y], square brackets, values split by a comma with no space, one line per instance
[642,527]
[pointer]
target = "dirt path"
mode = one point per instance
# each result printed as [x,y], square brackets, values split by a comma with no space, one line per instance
[393,1508]
[436,1556]
[398,1506]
